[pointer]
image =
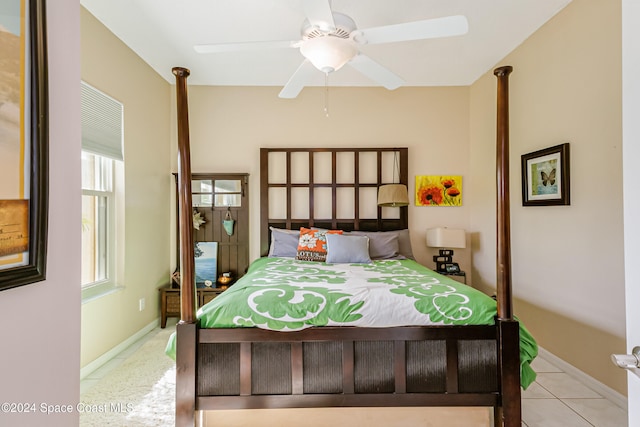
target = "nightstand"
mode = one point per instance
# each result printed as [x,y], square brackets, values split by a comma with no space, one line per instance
[458,276]
[170,301]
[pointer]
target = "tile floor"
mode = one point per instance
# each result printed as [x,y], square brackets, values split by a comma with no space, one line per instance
[555,399]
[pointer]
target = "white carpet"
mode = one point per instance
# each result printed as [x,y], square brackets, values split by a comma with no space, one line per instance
[139,392]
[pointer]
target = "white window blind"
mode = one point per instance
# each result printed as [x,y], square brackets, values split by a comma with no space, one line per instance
[102,123]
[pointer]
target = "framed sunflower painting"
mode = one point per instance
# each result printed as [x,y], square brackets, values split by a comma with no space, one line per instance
[438,190]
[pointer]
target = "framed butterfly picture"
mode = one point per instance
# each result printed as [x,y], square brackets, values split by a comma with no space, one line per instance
[545,177]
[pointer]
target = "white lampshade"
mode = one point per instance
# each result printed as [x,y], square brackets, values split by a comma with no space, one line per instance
[328,53]
[394,195]
[443,237]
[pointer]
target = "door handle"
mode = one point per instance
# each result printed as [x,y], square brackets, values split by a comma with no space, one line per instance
[627,361]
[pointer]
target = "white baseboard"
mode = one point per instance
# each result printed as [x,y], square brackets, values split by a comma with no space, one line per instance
[92,366]
[595,385]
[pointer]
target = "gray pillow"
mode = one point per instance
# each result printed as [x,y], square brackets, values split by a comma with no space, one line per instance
[383,246]
[347,249]
[404,241]
[388,244]
[284,243]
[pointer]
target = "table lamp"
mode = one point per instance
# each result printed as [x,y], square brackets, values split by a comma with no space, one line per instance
[446,239]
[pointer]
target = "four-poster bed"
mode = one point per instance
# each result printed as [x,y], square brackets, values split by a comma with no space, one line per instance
[338,366]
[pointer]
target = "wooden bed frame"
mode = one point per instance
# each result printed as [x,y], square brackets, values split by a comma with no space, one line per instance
[341,366]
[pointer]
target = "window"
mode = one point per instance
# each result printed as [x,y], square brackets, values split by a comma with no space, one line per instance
[97,213]
[218,193]
[228,192]
[101,179]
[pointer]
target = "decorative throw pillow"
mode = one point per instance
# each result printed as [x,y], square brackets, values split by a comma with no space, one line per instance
[312,245]
[347,249]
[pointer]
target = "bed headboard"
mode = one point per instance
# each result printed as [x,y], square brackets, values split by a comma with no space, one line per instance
[332,188]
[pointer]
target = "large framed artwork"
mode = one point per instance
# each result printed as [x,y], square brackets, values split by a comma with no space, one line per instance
[23,142]
[545,177]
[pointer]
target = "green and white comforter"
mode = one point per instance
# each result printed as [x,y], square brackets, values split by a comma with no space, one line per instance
[283,294]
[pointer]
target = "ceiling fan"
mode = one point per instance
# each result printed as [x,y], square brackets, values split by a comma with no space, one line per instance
[331,39]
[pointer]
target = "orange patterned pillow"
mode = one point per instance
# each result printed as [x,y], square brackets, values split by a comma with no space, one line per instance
[312,245]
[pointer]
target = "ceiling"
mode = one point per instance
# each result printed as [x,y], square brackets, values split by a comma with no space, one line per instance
[163,33]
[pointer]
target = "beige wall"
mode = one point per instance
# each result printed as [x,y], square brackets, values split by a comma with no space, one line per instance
[113,68]
[229,125]
[567,260]
[40,336]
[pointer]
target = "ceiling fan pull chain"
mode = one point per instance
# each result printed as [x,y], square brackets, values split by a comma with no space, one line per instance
[326,94]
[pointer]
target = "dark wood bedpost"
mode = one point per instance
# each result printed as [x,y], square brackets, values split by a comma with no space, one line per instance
[502,177]
[187,283]
[186,329]
[508,413]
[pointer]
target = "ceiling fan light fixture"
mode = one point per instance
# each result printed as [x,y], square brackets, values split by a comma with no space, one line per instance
[328,53]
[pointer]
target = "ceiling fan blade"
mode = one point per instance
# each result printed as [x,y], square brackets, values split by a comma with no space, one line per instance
[319,14]
[376,72]
[242,46]
[298,80]
[418,30]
